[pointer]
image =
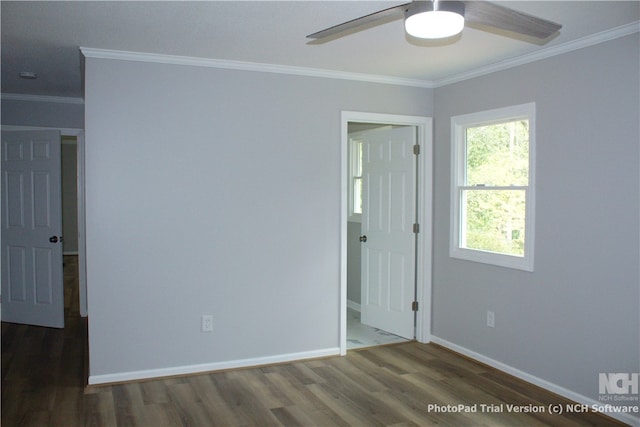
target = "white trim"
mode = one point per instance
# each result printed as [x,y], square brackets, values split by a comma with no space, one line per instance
[547,385]
[63,131]
[425,236]
[458,159]
[587,41]
[210,367]
[544,53]
[424,126]
[354,306]
[344,221]
[82,239]
[41,98]
[250,66]
[549,52]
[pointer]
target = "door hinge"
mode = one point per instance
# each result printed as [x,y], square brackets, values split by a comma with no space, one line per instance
[414,306]
[416,149]
[416,228]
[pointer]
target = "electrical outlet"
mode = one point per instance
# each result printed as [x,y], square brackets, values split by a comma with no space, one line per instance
[491,319]
[207,323]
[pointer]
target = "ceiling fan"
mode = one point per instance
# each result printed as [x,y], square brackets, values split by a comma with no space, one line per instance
[434,19]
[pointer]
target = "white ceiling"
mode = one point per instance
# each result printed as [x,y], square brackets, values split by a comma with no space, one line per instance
[44,37]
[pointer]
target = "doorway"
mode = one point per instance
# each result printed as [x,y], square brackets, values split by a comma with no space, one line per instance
[69,174]
[72,151]
[418,276]
[380,270]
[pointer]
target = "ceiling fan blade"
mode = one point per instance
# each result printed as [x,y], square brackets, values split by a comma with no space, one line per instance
[390,13]
[504,18]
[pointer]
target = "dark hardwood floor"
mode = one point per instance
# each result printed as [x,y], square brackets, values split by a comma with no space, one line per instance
[43,384]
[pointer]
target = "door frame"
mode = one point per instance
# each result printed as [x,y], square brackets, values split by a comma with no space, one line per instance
[82,270]
[424,128]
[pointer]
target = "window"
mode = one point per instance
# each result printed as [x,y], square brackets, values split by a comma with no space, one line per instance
[492,198]
[355,193]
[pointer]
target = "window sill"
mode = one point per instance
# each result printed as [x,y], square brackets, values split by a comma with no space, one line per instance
[492,258]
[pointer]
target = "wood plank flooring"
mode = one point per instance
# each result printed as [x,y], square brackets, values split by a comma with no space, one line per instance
[43,384]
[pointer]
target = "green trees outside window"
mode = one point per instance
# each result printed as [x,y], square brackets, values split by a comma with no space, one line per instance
[493,197]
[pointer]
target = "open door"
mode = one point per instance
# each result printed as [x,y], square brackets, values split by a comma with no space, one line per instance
[32,278]
[388,239]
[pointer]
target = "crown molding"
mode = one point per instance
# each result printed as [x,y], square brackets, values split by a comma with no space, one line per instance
[587,41]
[250,66]
[41,98]
[549,52]
[63,131]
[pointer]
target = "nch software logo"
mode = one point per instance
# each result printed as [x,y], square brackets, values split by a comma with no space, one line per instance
[621,383]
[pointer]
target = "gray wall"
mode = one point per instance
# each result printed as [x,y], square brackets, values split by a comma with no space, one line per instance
[577,314]
[215,192]
[43,114]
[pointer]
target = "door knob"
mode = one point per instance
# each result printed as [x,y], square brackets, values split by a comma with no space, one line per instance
[54,239]
[363,238]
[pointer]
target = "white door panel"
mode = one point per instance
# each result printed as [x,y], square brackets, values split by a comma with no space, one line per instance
[388,259]
[32,281]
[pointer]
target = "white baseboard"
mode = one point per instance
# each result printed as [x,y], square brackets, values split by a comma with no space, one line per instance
[353,305]
[576,397]
[209,367]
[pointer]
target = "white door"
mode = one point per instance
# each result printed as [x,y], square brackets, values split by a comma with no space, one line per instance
[32,281]
[388,240]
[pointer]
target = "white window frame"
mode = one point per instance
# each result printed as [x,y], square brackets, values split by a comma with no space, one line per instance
[459,124]
[353,167]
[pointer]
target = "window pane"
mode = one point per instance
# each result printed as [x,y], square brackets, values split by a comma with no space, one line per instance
[498,155]
[356,153]
[357,195]
[494,221]
[357,158]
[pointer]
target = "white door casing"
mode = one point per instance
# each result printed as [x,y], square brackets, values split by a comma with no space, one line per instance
[388,241]
[32,280]
[424,130]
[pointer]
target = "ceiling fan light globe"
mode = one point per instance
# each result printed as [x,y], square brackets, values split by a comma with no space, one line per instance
[435,24]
